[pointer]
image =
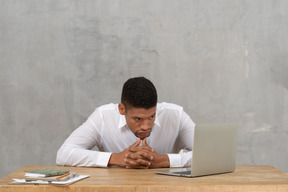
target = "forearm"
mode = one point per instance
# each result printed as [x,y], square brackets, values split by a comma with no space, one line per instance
[81,157]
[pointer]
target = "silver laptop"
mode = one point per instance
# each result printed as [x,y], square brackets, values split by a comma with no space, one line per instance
[214,151]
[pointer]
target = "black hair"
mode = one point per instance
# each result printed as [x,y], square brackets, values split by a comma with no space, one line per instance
[139,92]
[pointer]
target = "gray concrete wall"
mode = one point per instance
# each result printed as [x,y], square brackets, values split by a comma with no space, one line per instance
[223,60]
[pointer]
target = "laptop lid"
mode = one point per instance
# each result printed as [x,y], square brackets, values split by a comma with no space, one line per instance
[214,151]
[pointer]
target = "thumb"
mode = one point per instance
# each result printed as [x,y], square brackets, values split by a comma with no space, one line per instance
[137,143]
[144,143]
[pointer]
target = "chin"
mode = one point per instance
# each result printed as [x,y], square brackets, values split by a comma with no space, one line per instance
[141,137]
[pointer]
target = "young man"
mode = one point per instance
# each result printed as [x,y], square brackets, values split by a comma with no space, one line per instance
[137,133]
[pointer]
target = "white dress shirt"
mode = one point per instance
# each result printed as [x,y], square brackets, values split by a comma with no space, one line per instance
[106,129]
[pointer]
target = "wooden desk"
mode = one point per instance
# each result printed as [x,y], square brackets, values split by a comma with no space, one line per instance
[245,178]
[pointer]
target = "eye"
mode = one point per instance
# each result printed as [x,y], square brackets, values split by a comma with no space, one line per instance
[152,117]
[137,118]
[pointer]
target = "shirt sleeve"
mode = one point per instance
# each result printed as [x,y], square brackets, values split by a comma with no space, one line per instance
[186,136]
[77,149]
[181,159]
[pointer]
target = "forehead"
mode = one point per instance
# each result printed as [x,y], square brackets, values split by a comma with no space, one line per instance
[141,112]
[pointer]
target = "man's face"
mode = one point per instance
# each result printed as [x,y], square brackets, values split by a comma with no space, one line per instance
[139,120]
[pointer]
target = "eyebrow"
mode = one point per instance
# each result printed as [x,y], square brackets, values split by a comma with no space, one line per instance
[142,118]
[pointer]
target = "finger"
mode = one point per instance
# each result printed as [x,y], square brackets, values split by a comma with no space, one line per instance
[135,156]
[144,143]
[140,155]
[134,145]
[137,143]
[137,163]
[140,148]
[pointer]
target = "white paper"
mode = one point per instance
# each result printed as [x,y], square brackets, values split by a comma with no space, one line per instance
[34,175]
[23,181]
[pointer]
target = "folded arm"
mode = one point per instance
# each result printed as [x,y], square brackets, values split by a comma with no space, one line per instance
[77,149]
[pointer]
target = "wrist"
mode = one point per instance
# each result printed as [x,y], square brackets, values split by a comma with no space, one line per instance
[161,162]
[114,160]
[165,161]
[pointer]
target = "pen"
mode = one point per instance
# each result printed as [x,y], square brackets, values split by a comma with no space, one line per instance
[59,177]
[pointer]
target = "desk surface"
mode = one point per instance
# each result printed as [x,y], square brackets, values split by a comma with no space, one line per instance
[245,178]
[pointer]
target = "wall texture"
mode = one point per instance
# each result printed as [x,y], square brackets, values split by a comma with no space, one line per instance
[223,60]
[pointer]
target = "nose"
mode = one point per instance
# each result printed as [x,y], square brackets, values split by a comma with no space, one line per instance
[146,125]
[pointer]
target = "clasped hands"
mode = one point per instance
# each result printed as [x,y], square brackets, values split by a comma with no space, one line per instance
[139,157]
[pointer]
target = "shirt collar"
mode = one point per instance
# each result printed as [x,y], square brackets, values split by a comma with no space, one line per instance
[122,121]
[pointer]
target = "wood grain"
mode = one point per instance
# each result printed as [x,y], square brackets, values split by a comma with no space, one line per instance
[245,178]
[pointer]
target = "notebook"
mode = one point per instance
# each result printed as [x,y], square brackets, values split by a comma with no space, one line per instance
[214,151]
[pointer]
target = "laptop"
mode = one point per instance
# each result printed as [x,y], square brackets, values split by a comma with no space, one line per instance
[214,151]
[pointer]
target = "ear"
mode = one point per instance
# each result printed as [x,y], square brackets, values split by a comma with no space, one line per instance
[121,108]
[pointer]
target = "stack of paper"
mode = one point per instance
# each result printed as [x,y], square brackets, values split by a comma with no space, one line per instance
[50,176]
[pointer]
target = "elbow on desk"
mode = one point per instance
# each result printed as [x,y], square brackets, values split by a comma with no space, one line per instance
[60,157]
[65,158]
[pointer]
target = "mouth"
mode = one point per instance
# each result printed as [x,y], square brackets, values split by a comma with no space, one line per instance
[143,134]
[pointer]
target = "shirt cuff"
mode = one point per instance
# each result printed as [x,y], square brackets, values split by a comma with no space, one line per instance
[175,160]
[103,159]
